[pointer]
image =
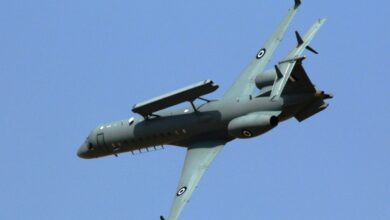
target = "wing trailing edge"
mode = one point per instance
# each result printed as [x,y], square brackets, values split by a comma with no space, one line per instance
[198,158]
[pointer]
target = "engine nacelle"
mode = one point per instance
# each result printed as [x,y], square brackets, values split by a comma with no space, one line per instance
[252,125]
[265,79]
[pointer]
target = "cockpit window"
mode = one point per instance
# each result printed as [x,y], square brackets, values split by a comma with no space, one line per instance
[90,146]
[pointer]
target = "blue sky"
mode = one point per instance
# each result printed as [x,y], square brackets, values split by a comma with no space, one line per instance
[67,66]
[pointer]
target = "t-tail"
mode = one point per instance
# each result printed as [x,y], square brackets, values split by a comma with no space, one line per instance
[285,68]
[291,77]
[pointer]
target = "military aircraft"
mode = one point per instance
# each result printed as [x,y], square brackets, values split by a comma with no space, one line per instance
[284,92]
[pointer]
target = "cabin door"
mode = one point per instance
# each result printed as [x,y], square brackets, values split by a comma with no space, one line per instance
[100,142]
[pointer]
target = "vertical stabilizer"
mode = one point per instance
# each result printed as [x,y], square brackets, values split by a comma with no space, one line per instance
[287,65]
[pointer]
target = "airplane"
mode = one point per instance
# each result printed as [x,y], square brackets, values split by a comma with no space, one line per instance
[282,93]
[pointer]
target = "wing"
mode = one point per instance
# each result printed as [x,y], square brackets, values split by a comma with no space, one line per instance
[198,159]
[244,85]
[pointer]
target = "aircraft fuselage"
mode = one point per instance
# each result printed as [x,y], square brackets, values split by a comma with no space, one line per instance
[178,127]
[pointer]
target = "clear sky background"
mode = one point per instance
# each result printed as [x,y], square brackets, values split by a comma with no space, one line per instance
[67,66]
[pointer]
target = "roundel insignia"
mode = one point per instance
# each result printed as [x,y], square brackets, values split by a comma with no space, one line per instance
[246,133]
[181,191]
[261,53]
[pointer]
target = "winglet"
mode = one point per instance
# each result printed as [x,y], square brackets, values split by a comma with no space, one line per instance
[162,217]
[297,4]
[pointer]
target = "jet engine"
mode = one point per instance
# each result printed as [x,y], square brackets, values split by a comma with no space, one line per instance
[265,79]
[252,125]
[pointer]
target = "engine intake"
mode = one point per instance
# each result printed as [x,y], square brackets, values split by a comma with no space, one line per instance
[265,79]
[252,125]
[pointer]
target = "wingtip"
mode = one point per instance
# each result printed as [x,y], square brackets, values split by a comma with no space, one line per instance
[322,20]
[162,217]
[297,3]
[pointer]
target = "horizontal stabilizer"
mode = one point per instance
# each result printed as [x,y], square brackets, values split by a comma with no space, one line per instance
[293,60]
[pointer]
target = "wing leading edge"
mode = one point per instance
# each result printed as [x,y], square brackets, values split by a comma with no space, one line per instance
[198,159]
[244,85]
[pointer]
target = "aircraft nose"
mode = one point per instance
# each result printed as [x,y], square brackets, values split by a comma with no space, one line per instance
[82,152]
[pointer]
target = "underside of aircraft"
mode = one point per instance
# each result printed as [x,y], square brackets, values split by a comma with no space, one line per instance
[255,104]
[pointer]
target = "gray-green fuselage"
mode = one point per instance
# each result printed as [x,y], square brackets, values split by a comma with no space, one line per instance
[183,126]
[283,92]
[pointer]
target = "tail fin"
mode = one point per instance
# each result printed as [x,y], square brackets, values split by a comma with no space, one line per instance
[286,66]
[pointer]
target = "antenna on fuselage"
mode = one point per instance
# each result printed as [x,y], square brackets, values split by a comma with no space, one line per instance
[148,149]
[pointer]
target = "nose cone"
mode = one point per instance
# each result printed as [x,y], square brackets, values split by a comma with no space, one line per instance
[83,152]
